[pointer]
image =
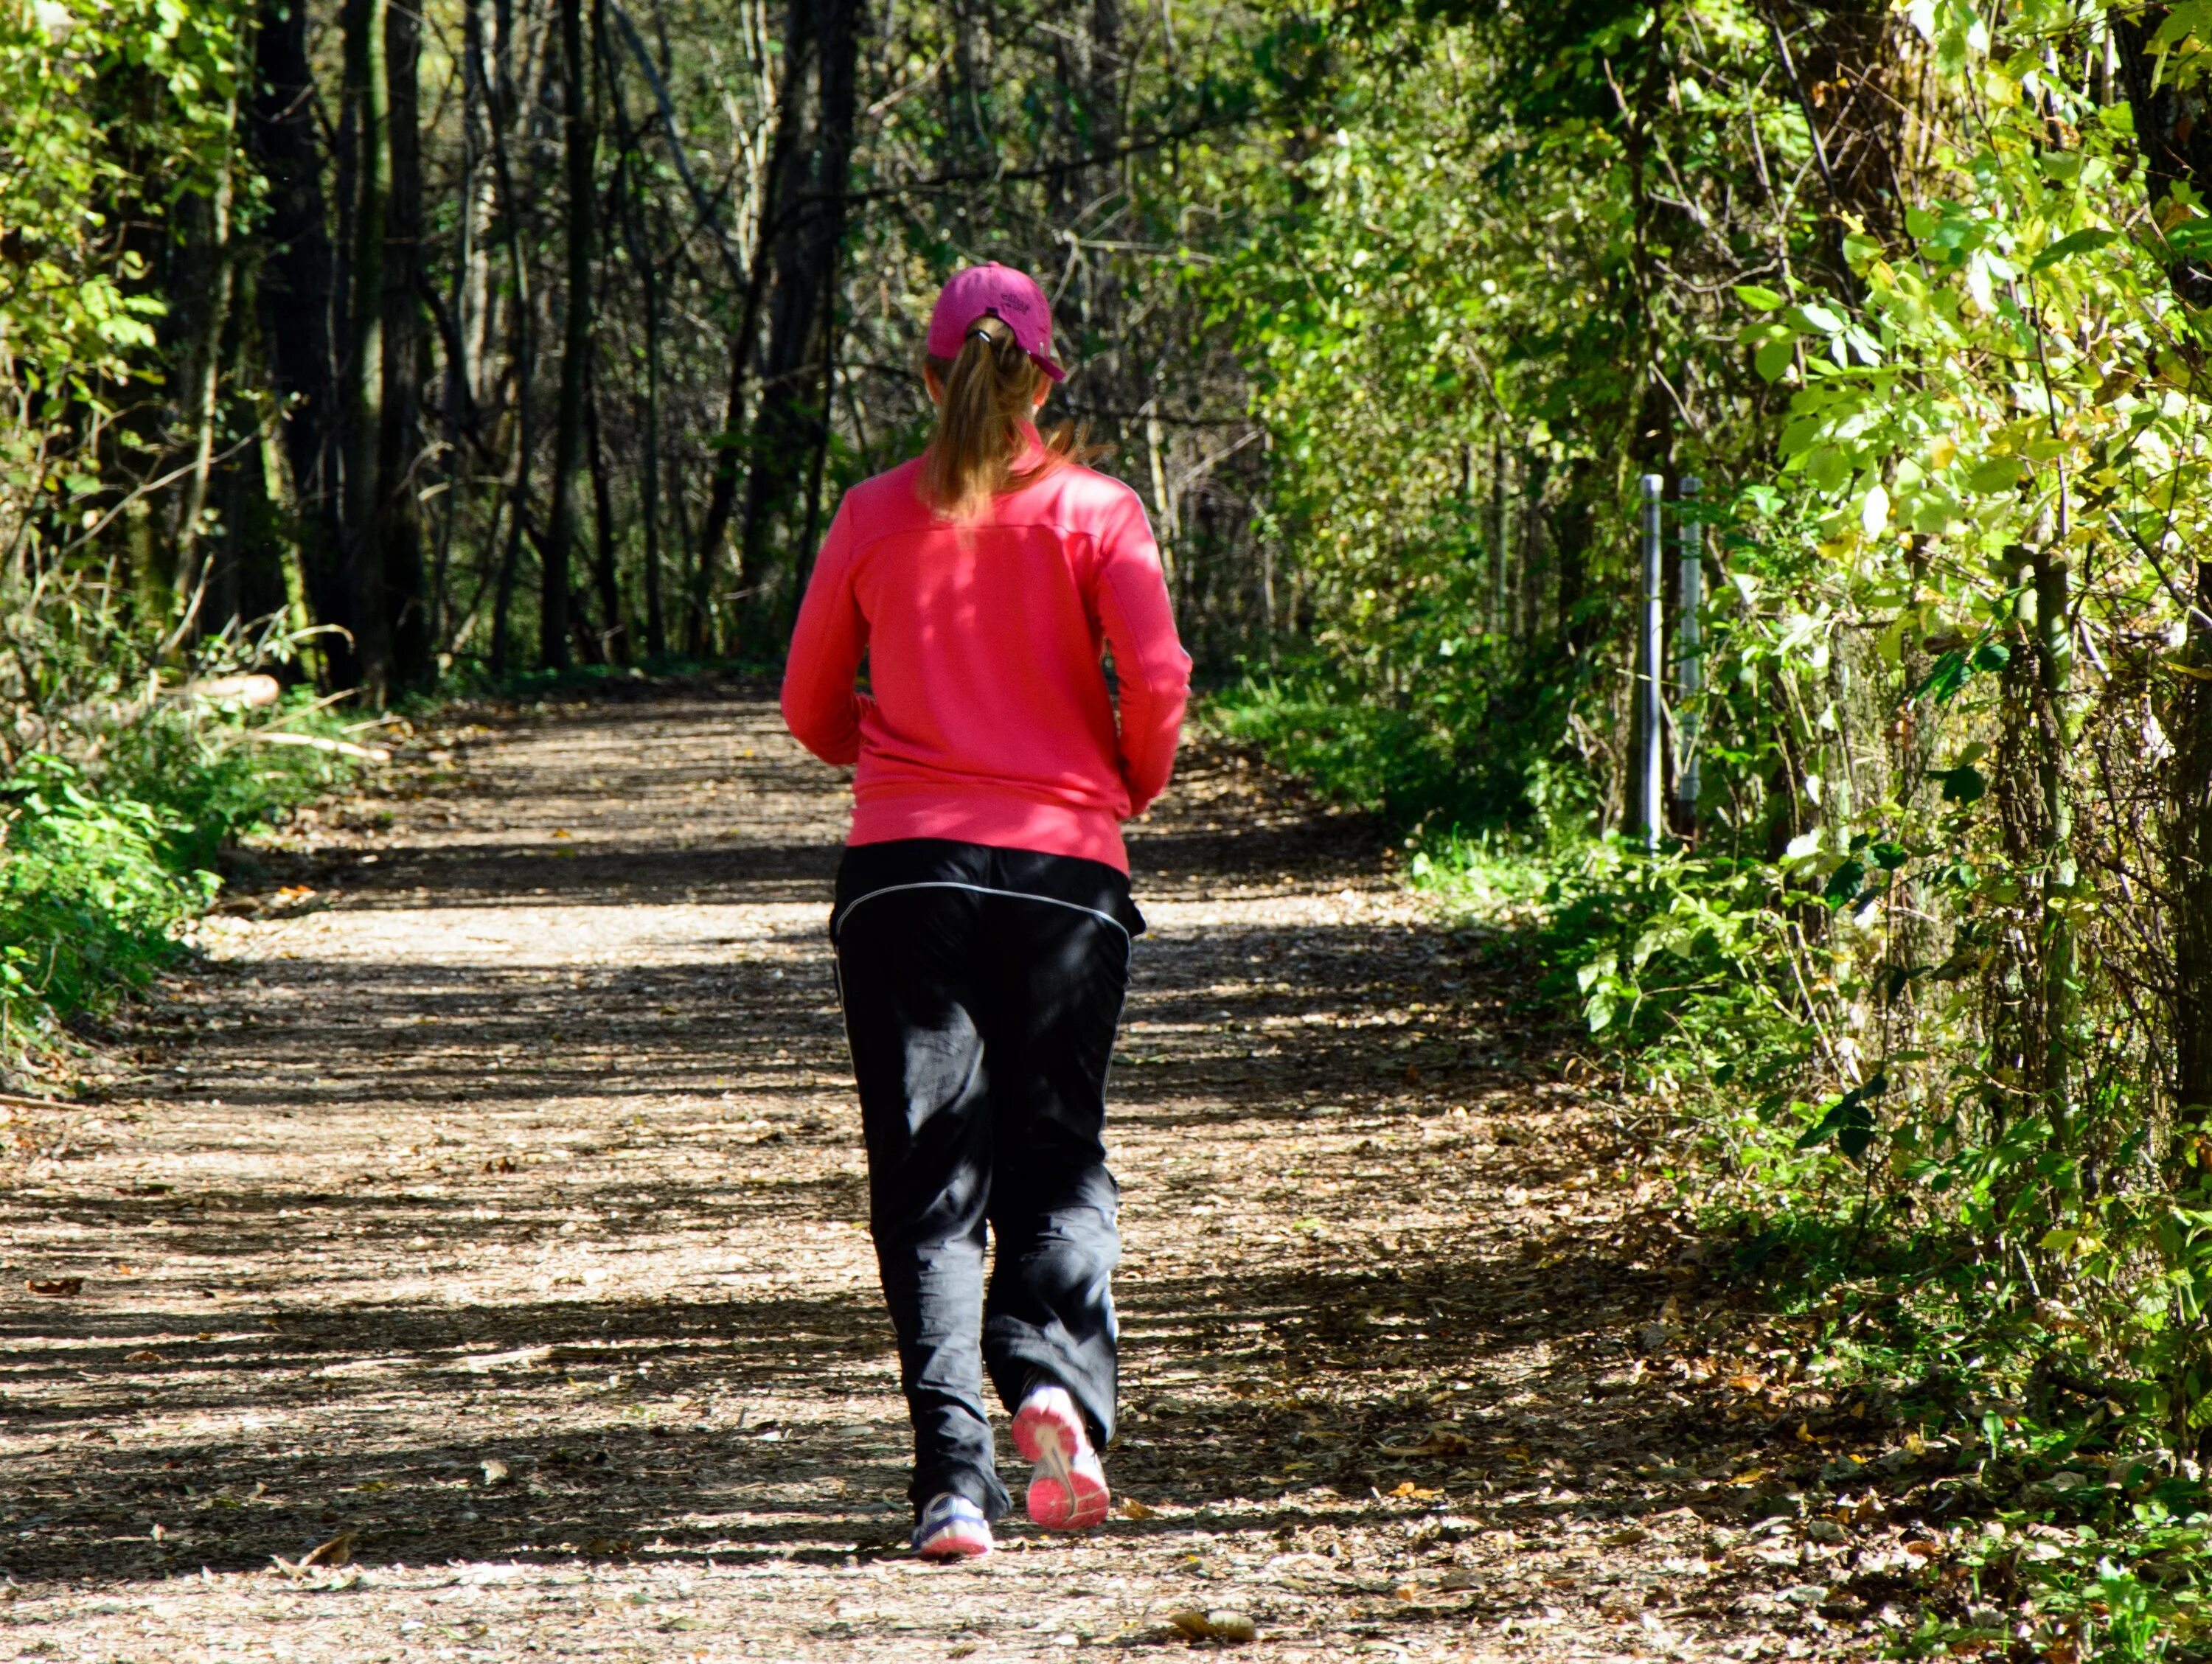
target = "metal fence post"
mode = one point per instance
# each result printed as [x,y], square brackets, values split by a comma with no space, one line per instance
[1498,514]
[1654,780]
[1689,644]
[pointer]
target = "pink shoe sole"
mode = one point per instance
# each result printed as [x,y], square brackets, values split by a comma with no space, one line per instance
[1067,1492]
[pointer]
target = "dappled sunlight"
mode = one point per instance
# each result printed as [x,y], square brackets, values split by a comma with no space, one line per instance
[507,1213]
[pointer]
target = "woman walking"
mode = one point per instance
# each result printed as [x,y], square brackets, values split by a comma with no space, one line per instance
[983,922]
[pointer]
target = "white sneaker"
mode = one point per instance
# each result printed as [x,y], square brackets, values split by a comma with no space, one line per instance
[952,1528]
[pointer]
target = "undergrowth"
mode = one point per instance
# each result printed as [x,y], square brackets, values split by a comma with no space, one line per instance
[106,857]
[2026,1387]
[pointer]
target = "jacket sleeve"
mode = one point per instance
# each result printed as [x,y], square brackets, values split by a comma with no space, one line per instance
[1150,666]
[820,705]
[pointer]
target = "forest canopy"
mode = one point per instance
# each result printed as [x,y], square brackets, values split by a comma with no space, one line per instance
[377,347]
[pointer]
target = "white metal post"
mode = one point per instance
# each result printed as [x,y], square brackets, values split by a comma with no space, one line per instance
[1654,783]
[1689,641]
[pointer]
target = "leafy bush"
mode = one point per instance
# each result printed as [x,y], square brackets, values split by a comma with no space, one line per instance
[1465,740]
[99,873]
[211,777]
[89,902]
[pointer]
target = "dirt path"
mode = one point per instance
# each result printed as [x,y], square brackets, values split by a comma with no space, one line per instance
[499,1203]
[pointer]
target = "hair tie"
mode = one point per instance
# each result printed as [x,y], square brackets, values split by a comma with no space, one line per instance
[977,333]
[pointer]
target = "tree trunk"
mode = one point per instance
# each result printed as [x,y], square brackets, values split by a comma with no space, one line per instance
[2168,128]
[641,259]
[250,586]
[785,181]
[2188,720]
[499,86]
[616,641]
[1580,619]
[399,446]
[578,140]
[2060,731]
[208,306]
[462,351]
[362,366]
[807,252]
[812,531]
[2176,143]
[296,292]
[964,89]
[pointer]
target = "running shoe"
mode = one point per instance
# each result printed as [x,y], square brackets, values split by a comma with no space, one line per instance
[952,1528]
[1067,1490]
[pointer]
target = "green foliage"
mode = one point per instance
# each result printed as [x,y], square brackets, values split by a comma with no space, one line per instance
[89,907]
[1911,970]
[99,874]
[135,104]
[209,779]
[1431,758]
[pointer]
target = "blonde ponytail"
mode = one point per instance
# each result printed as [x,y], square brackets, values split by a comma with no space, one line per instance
[989,391]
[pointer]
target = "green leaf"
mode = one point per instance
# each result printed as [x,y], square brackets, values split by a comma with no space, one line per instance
[1801,434]
[1847,1120]
[2077,242]
[1843,885]
[1994,475]
[1948,675]
[1992,656]
[1962,785]
[1774,358]
[2191,239]
[1758,297]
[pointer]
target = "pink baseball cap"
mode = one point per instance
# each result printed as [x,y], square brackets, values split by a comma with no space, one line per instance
[1012,297]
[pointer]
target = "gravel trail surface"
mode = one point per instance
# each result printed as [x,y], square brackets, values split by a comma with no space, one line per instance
[468,1263]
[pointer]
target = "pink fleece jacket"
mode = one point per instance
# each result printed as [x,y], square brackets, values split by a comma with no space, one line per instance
[988,718]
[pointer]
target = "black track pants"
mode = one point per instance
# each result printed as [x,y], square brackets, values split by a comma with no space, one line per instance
[982,987]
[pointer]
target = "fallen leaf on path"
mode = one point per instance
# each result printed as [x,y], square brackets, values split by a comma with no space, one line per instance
[144,1354]
[495,1470]
[1133,1509]
[61,1288]
[1409,1488]
[1233,1627]
[334,1552]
